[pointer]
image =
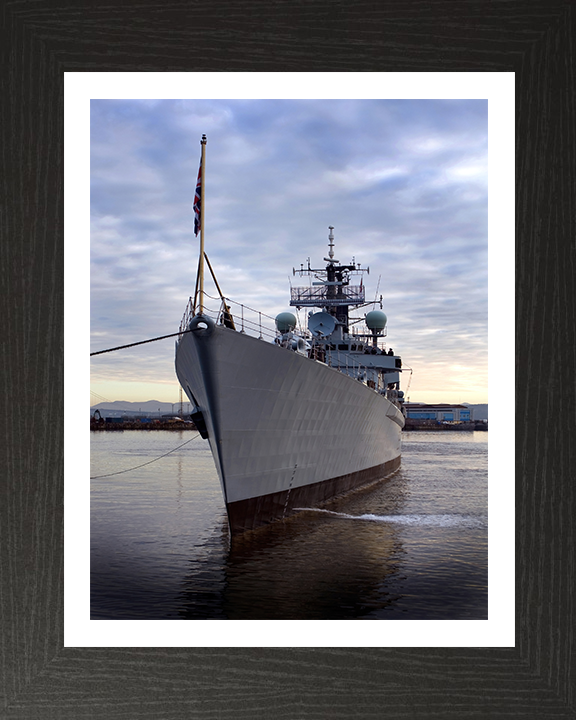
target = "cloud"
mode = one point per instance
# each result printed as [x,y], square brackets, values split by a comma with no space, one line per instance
[403,182]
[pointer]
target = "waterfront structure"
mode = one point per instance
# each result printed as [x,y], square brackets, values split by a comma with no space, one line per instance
[441,412]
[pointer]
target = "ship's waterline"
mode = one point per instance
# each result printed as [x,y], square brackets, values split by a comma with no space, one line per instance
[280,505]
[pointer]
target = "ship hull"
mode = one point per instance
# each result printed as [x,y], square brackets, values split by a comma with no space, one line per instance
[286,431]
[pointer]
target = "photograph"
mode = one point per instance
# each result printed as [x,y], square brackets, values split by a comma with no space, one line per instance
[289,359]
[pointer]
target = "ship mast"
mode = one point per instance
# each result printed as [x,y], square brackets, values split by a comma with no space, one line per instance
[332,290]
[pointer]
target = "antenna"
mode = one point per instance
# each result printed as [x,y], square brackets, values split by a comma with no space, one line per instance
[331,242]
[377,288]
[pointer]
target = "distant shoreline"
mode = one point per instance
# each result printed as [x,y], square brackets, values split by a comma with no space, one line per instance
[459,427]
[102,425]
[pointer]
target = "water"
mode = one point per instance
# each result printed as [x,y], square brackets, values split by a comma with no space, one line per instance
[411,547]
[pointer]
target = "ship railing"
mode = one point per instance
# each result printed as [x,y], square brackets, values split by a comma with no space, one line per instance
[367,374]
[347,365]
[257,324]
[342,362]
[247,320]
[229,313]
[187,317]
[320,296]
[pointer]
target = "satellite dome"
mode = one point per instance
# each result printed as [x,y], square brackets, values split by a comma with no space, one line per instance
[376,320]
[285,322]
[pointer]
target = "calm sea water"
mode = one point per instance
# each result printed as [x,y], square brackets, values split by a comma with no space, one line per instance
[411,547]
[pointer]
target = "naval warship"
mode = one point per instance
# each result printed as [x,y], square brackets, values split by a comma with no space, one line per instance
[295,412]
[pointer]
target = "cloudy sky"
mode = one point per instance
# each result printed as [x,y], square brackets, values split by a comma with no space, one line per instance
[403,182]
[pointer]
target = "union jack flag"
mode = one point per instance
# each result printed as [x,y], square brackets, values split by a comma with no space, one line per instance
[198,201]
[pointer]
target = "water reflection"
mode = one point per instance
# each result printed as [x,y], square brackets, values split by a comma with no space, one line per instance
[315,565]
[412,547]
[311,568]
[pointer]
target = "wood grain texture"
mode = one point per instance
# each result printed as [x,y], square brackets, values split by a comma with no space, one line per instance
[41,679]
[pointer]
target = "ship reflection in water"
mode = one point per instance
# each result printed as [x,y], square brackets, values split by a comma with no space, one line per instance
[311,566]
[411,547]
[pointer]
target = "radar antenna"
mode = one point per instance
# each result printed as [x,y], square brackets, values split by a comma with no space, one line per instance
[321,324]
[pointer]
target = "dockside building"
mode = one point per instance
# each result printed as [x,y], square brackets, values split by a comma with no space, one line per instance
[440,413]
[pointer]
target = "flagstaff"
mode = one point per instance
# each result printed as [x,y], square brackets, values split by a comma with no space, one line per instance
[201,263]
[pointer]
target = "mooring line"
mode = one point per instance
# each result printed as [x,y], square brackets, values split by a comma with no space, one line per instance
[97,477]
[142,342]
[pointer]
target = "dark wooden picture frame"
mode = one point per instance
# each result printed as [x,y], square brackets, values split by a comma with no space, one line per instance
[39,678]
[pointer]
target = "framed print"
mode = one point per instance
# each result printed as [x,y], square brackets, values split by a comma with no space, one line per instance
[340,671]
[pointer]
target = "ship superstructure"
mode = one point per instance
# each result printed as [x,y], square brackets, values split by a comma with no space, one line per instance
[336,338]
